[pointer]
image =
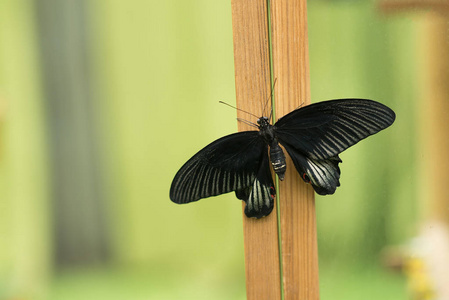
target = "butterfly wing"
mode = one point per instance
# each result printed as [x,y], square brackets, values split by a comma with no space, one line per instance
[237,162]
[259,197]
[322,174]
[327,128]
[314,136]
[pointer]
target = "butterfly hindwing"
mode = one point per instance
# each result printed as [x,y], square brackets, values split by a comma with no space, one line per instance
[322,174]
[232,163]
[259,197]
[325,129]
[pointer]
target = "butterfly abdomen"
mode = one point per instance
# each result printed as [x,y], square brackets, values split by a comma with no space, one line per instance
[277,158]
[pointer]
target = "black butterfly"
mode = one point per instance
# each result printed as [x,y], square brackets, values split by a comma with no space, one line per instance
[313,136]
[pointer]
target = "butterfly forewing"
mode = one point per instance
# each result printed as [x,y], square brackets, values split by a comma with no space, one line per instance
[325,129]
[228,164]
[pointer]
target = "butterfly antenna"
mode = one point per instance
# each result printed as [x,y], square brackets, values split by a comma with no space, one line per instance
[271,96]
[238,108]
[247,122]
[300,105]
[271,113]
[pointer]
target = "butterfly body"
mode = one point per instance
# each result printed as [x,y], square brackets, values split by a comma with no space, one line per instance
[313,136]
[277,156]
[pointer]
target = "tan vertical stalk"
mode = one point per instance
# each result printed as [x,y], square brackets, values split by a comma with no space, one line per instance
[252,83]
[297,202]
[252,71]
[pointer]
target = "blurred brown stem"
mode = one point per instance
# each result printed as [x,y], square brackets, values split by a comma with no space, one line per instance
[299,256]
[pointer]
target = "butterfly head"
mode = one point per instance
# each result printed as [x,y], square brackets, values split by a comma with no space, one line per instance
[263,122]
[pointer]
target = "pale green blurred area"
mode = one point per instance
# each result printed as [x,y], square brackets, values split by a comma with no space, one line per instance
[155,71]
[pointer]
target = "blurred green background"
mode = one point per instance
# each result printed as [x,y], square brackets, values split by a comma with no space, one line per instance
[102,101]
